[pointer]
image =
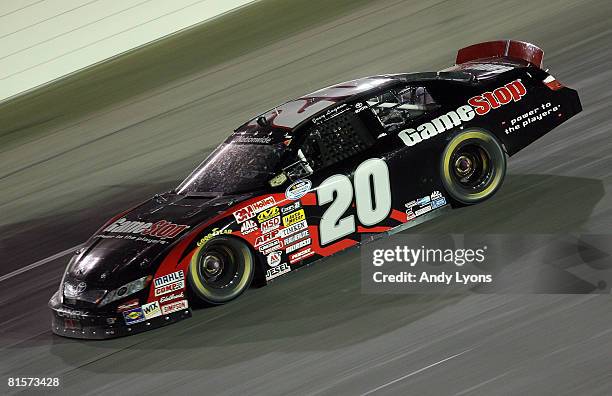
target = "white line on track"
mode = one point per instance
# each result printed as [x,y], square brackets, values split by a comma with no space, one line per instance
[38,263]
[414,373]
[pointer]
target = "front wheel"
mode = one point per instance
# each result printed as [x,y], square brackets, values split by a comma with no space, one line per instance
[221,270]
[473,166]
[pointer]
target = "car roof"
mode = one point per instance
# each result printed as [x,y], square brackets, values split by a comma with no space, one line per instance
[291,114]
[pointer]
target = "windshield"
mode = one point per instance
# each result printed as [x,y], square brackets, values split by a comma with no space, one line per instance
[235,167]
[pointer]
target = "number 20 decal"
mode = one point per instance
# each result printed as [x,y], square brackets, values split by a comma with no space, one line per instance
[372,199]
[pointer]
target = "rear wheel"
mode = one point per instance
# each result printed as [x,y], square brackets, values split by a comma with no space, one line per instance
[221,270]
[473,166]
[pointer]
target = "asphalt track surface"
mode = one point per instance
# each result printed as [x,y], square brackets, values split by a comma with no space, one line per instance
[314,332]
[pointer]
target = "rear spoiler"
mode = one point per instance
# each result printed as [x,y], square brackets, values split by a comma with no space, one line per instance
[511,49]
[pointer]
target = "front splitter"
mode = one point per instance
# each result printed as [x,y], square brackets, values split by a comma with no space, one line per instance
[68,322]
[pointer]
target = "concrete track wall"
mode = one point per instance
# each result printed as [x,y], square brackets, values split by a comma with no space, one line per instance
[41,41]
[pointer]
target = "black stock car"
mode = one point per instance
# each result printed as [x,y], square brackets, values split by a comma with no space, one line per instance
[308,179]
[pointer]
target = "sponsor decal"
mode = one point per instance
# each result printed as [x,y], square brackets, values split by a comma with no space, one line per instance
[172,287]
[301,255]
[249,211]
[133,316]
[265,238]
[244,214]
[424,204]
[290,208]
[263,204]
[274,259]
[300,244]
[72,314]
[128,305]
[270,247]
[436,203]
[271,224]
[293,218]
[248,227]
[285,232]
[151,310]
[478,105]
[171,297]
[359,107]
[268,214]
[170,278]
[174,306]
[296,237]
[277,271]
[253,139]
[213,233]
[298,189]
[423,210]
[161,229]
[534,115]
[483,103]
[423,201]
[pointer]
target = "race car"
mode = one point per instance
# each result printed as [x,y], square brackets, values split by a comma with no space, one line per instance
[310,178]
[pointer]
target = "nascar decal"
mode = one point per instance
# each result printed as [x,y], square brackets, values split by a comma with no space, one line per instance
[174,307]
[169,283]
[293,218]
[151,310]
[271,224]
[424,205]
[133,316]
[213,233]
[268,214]
[249,211]
[477,105]
[298,189]
[277,271]
[162,229]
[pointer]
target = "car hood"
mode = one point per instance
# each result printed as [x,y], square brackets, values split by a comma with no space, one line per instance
[126,248]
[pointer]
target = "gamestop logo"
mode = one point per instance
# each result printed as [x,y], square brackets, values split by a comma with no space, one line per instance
[162,229]
[478,105]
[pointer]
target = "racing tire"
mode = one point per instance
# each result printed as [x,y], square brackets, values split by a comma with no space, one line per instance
[220,270]
[473,166]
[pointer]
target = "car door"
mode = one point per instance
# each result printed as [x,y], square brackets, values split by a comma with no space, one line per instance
[349,186]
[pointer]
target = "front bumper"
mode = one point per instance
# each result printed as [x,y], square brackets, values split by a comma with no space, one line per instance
[86,324]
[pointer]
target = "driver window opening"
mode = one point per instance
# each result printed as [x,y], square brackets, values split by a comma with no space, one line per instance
[335,140]
[396,107]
